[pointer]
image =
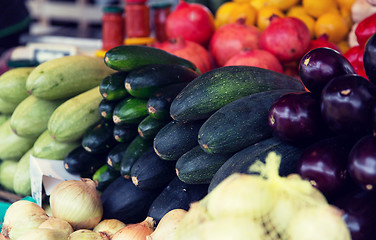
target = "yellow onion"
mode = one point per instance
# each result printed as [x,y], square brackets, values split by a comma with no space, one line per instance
[136,231]
[77,202]
[58,224]
[86,234]
[109,227]
[21,217]
[166,227]
[44,234]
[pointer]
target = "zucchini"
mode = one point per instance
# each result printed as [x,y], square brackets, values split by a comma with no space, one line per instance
[112,86]
[198,167]
[74,117]
[7,107]
[8,169]
[104,176]
[159,103]
[136,148]
[175,139]
[239,123]
[106,108]
[30,118]
[150,171]
[144,81]
[66,77]
[149,127]
[99,138]
[242,160]
[4,118]
[47,147]
[21,180]
[124,132]
[129,57]
[115,155]
[13,84]
[130,111]
[218,87]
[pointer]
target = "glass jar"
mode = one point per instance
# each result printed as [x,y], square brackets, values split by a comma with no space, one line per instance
[160,14]
[112,27]
[137,19]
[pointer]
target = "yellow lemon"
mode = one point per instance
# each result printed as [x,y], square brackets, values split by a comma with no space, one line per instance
[263,17]
[346,14]
[309,21]
[343,45]
[283,4]
[316,8]
[346,4]
[333,25]
[296,11]
[258,4]
[230,12]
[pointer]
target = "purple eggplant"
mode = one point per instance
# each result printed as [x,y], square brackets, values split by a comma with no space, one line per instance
[320,65]
[347,104]
[369,58]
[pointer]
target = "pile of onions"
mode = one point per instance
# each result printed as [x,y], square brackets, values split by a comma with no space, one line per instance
[86,234]
[77,202]
[57,224]
[136,231]
[109,227]
[166,227]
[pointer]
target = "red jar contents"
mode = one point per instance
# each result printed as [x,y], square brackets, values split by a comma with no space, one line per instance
[137,19]
[112,27]
[160,13]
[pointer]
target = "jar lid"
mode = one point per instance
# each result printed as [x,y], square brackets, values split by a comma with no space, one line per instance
[158,5]
[113,9]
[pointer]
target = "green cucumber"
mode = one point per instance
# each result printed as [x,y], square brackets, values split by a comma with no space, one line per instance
[7,107]
[144,81]
[149,127]
[125,132]
[239,123]
[99,138]
[21,180]
[8,169]
[13,84]
[4,118]
[218,87]
[104,176]
[66,77]
[74,117]
[130,111]
[176,138]
[46,147]
[30,118]
[242,160]
[198,167]
[112,86]
[136,148]
[115,155]
[106,108]
[129,57]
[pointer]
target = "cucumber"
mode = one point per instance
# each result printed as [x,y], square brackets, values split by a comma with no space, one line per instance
[112,86]
[130,57]
[99,138]
[175,139]
[144,81]
[30,118]
[4,118]
[151,172]
[21,180]
[7,107]
[198,167]
[115,155]
[13,84]
[130,111]
[149,127]
[238,124]
[159,103]
[136,148]
[106,108]
[125,132]
[242,160]
[8,169]
[104,176]
[218,87]
[66,77]
[74,117]
[46,147]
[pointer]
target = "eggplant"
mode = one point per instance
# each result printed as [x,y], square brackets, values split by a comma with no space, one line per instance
[369,58]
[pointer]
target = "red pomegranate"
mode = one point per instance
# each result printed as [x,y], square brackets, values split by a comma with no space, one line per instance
[322,41]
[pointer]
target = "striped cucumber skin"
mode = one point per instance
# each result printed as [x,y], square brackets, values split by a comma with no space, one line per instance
[130,111]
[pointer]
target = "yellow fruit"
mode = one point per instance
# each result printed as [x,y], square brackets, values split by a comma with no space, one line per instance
[333,25]
[346,4]
[316,8]
[346,14]
[296,11]
[230,12]
[241,1]
[343,45]
[263,17]
[282,4]
[258,4]
[309,21]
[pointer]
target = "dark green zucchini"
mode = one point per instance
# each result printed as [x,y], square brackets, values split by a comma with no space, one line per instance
[176,138]
[125,132]
[99,138]
[124,201]
[130,111]
[176,195]
[218,87]
[242,160]
[144,81]
[79,161]
[159,103]
[104,176]
[239,123]
[112,86]
[129,57]
[115,155]
[149,127]
[106,108]
[150,171]
[198,167]
[136,148]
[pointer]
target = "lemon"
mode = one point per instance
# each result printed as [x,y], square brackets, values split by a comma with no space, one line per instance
[309,21]
[316,8]
[343,46]
[333,25]
[346,4]
[263,17]
[283,4]
[258,4]
[230,12]
[296,11]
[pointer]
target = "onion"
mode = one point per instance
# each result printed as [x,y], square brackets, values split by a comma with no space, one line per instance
[77,202]
[86,234]
[166,227]
[44,234]
[58,224]
[109,227]
[21,217]
[136,231]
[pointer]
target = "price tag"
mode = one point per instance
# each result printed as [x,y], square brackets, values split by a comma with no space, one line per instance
[42,52]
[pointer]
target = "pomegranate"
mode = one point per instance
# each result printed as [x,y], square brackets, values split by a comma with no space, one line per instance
[189,50]
[193,21]
[355,57]
[322,41]
[230,39]
[287,38]
[257,58]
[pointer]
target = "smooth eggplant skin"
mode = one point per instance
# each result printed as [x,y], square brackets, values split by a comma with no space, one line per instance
[369,58]
[347,104]
[320,65]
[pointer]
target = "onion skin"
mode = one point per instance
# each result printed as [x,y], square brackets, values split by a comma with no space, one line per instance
[166,227]
[136,231]
[109,227]
[86,234]
[44,234]
[57,224]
